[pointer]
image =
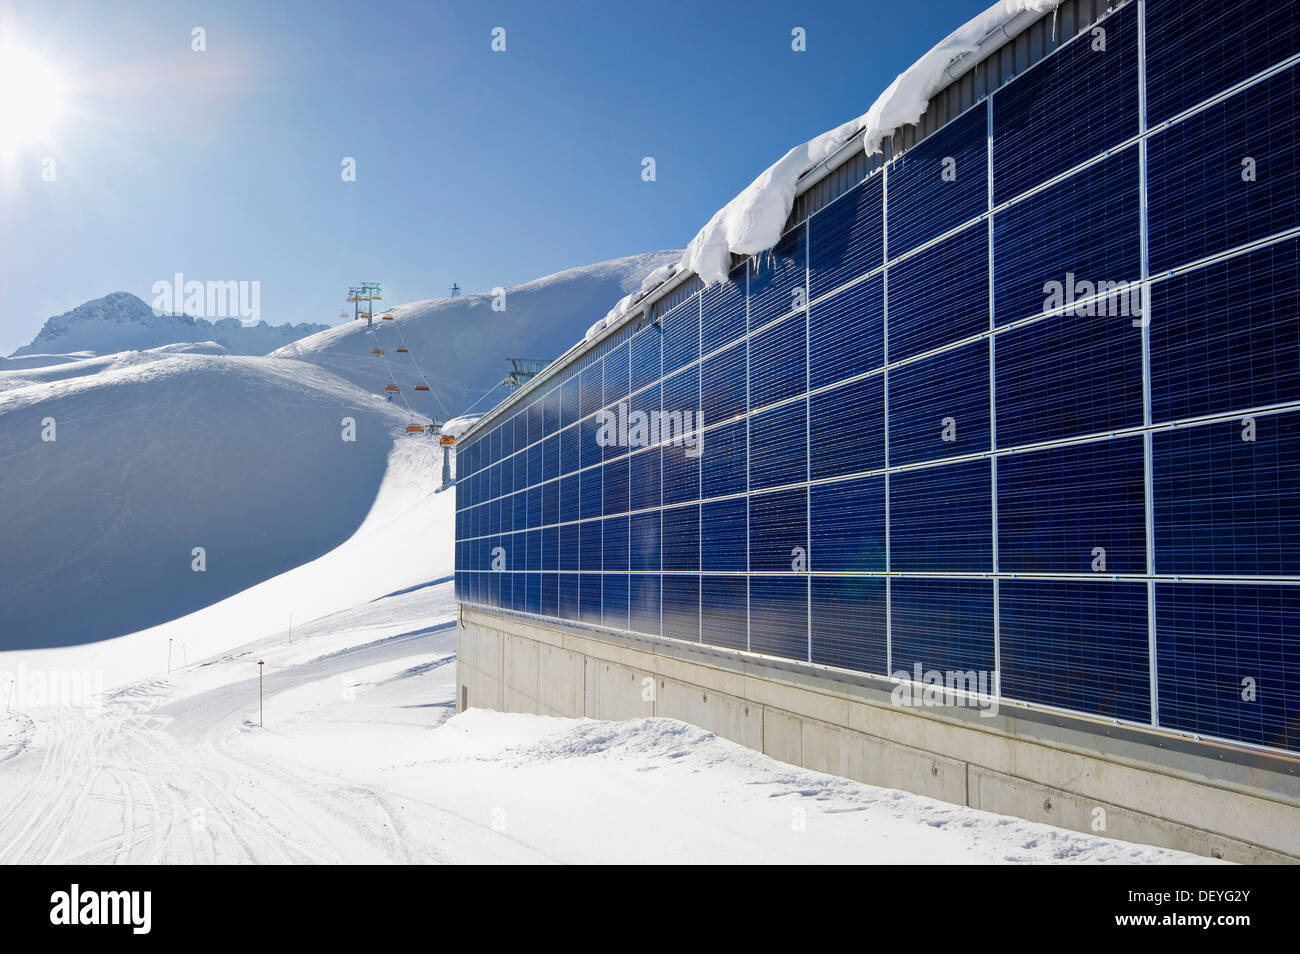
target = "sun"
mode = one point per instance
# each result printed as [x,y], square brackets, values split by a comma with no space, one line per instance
[31,98]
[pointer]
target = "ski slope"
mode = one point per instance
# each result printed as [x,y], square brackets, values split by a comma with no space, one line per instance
[461,344]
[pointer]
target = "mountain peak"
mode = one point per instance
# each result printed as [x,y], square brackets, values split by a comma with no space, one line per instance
[120,321]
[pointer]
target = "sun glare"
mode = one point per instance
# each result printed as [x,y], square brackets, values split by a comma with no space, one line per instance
[31,98]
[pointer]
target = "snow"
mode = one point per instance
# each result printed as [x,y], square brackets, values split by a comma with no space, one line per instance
[459,425]
[752,222]
[462,344]
[157,454]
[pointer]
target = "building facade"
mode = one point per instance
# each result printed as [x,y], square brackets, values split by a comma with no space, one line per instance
[1020,401]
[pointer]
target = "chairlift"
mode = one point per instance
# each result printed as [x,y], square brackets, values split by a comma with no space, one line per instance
[376,350]
[415,428]
[403,351]
[422,387]
[386,317]
[391,387]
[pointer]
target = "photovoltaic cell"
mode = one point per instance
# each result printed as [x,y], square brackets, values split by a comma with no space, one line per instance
[1084,228]
[939,183]
[1227,497]
[1226,336]
[940,295]
[1075,104]
[1211,639]
[1077,508]
[941,625]
[1195,49]
[1227,175]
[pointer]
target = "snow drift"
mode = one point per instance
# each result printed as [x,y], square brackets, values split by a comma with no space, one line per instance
[242,457]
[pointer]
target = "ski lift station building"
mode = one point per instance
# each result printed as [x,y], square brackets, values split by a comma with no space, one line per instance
[983,482]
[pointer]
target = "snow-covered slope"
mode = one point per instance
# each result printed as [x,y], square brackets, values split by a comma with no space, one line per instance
[122,322]
[241,456]
[461,344]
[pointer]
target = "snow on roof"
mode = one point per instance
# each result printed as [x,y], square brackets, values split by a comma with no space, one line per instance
[459,425]
[752,222]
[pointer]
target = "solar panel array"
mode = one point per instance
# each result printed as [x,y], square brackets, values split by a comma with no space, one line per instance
[1025,400]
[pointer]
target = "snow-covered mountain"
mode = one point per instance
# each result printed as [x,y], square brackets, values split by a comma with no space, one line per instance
[122,322]
[461,345]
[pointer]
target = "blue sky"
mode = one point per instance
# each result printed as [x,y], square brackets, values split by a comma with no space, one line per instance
[472,166]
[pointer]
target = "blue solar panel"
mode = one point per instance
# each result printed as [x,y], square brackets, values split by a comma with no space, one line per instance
[723,466]
[847,429]
[1084,228]
[681,606]
[941,518]
[617,374]
[643,603]
[1067,376]
[940,295]
[723,385]
[615,486]
[1198,48]
[1225,504]
[723,534]
[847,238]
[1227,661]
[646,358]
[644,535]
[778,609]
[723,317]
[681,538]
[681,328]
[1075,104]
[939,406]
[724,611]
[614,592]
[941,625]
[681,474]
[1078,508]
[846,333]
[1204,196]
[778,281]
[778,529]
[1227,336]
[778,362]
[848,622]
[778,446]
[847,525]
[939,183]
[591,545]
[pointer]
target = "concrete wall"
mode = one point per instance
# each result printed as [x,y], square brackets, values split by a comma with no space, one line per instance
[1060,771]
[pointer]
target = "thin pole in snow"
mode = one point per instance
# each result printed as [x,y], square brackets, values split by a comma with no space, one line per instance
[260,664]
[169,654]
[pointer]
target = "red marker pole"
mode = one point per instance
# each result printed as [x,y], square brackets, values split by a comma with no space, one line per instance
[260,664]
